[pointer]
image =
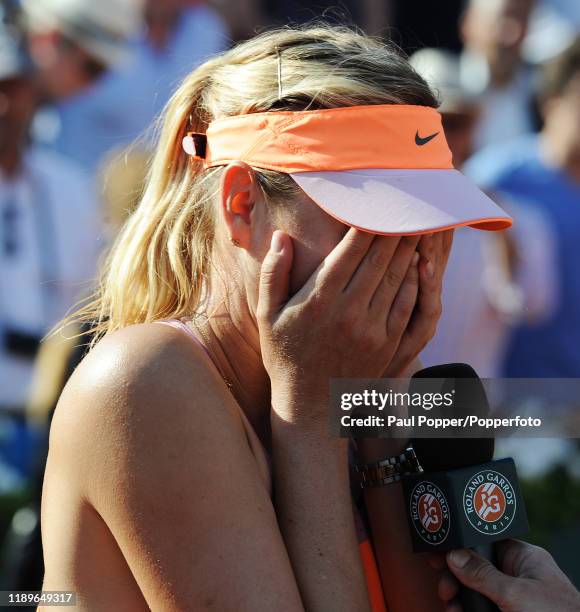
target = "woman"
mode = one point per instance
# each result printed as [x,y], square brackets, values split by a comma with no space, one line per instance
[190,465]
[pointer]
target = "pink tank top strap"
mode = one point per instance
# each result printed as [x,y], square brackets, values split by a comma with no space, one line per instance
[178,324]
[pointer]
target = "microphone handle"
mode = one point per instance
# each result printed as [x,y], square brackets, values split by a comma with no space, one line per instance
[471,601]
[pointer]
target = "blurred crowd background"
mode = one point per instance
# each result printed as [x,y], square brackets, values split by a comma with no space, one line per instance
[81,85]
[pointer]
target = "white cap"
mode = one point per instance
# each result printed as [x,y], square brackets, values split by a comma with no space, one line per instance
[99,27]
[441,70]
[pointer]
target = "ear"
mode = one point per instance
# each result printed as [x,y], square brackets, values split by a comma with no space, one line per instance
[239,193]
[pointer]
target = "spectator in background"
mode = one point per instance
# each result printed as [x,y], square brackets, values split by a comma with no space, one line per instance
[553,26]
[49,221]
[282,12]
[491,67]
[486,287]
[243,18]
[48,229]
[426,24]
[247,17]
[73,42]
[544,171]
[177,37]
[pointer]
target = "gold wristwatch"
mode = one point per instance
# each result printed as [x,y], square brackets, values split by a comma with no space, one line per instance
[389,470]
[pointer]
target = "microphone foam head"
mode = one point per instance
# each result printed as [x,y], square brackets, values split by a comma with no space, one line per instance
[440,454]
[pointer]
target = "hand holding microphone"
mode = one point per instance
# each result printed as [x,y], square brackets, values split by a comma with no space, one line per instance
[463,498]
[527,580]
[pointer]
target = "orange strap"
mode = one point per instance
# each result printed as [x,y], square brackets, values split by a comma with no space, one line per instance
[347,138]
[374,587]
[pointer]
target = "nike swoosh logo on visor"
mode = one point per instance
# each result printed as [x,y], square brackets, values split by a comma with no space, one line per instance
[423,141]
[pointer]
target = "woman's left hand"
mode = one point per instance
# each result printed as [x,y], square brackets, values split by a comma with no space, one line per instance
[434,250]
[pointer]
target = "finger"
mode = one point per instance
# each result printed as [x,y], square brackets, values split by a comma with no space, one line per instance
[275,276]
[428,311]
[507,553]
[372,268]
[479,574]
[436,249]
[426,248]
[431,271]
[522,559]
[453,606]
[341,263]
[438,252]
[399,314]
[447,245]
[448,587]
[394,275]
[423,322]
[441,251]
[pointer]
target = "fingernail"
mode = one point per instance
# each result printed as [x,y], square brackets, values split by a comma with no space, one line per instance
[459,558]
[429,269]
[415,259]
[277,245]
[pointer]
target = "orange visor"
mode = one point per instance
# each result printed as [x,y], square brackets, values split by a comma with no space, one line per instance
[385,169]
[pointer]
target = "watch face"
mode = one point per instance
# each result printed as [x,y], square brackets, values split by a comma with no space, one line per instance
[430,512]
[489,502]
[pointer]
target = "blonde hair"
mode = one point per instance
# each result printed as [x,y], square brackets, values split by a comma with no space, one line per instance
[160,261]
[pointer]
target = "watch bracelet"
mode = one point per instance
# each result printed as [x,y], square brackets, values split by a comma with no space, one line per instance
[388,470]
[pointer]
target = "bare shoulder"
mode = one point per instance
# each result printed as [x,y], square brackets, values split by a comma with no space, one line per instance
[143,393]
[147,435]
[148,358]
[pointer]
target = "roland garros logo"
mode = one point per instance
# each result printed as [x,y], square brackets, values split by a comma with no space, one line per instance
[489,502]
[430,512]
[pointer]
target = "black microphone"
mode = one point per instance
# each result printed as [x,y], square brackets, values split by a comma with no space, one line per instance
[469,397]
[463,499]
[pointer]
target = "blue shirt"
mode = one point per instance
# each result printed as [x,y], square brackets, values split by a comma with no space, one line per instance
[125,102]
[550,348]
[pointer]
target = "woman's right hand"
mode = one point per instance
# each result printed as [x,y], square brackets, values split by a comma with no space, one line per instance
[346,321]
